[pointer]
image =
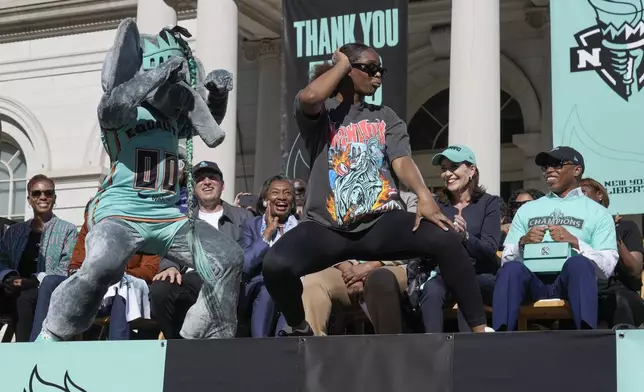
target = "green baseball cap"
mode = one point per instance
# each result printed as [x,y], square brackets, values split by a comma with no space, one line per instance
[457,153]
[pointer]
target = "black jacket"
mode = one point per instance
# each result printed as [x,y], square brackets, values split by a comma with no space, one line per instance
[230,224]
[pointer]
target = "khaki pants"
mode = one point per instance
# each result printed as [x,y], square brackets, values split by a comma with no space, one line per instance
[325,289]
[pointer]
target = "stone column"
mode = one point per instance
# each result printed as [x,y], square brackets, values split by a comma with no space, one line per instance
[153,15]
[217,44]
[531,144]
[268,153]
[475,85]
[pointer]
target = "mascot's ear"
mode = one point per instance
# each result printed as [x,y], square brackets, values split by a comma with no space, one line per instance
[125,58]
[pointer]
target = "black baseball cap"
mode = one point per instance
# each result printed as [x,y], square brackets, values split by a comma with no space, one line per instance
[207,166]
[561,153]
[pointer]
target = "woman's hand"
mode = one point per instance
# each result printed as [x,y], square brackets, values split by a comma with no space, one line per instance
[460,224]
[340,58]
[428,209]
[272,223]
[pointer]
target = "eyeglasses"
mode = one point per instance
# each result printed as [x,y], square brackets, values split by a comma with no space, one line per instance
[371,69]
[48,193]
[557,165]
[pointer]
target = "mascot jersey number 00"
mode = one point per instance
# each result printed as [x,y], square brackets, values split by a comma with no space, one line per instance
[154,94]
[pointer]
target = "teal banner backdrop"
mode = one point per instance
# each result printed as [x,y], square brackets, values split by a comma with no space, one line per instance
[598,102]
[83,366]
[630,360]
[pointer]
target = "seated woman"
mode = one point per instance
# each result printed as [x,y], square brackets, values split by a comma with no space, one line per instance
[124,301]
[31,251]
[477,217]
[515,202]
[276,206]
[619,300]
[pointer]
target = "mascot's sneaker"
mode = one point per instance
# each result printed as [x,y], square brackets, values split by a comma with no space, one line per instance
[46,337]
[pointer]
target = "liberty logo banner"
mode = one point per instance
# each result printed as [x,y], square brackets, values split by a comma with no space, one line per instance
[614,47]
[313,30]
[84,366]
[597,82]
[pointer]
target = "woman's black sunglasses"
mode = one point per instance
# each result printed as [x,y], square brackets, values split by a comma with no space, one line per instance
[47,192]
[371,69]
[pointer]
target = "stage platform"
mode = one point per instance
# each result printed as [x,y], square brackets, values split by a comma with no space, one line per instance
[595,361]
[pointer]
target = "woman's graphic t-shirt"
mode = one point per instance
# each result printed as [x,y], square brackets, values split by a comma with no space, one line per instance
[351,149]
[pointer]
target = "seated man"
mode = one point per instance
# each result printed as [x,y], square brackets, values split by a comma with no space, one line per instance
[620,303]
[124,302]
[173,292]
[377,285]
[563,215]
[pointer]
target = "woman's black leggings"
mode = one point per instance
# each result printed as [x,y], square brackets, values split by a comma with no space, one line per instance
[311,247]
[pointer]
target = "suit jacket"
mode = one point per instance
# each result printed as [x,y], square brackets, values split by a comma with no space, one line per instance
[254,247]
[56,244]
[230,224]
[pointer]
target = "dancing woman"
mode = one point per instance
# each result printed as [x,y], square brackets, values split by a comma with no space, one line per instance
[359,152]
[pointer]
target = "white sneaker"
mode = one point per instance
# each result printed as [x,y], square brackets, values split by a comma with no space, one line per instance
[488,329]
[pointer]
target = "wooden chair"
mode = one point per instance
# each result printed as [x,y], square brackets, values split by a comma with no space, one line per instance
[548,309]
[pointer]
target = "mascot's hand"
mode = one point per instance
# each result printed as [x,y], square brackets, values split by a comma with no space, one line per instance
[178,69]
[219,82]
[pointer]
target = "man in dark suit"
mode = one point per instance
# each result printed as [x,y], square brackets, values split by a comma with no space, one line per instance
[174,290]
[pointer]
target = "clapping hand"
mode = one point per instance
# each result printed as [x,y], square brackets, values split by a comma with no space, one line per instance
[272,223]
[459,222]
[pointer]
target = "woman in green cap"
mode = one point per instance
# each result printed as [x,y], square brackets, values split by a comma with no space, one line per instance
[476,217]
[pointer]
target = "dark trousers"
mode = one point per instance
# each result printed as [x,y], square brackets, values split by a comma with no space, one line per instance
[254,301]
[620,305]
[516,284]
[435,297]
[169,302]
[119,328]
[47,287]
[311,247]
[21,306]
[382,297]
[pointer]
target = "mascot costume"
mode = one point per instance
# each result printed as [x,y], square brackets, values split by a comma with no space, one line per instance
[154,94]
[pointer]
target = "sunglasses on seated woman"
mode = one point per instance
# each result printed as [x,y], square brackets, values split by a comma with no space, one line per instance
[48,193]
[371,69]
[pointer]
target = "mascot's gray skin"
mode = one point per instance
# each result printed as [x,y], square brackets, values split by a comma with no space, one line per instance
[126,86]
[111,241]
